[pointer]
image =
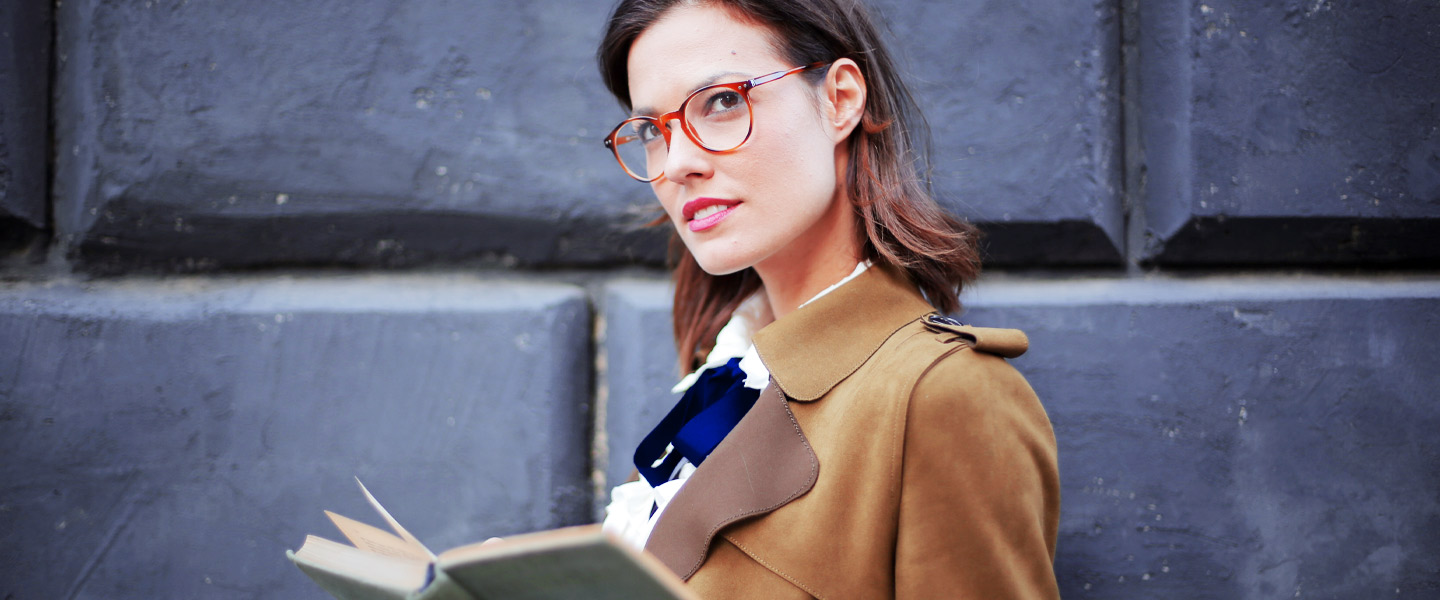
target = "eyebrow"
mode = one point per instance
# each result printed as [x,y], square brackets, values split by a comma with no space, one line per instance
[648,111]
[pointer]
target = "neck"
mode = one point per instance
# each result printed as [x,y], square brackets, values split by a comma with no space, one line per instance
[813,262]
[787,293]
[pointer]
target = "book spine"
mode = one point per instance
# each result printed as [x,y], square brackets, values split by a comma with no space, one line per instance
[443,588]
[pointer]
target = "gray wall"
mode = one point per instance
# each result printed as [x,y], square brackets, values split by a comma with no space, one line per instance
[250,250]
[25,34]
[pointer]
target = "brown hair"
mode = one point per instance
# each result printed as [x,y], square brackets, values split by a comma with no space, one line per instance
[901,225]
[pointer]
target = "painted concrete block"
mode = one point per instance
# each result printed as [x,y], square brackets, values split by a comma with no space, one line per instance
[1237,437]
[1289,132]
[171,439]
[203,135]
[640,367]
[1023,99]
[24,115]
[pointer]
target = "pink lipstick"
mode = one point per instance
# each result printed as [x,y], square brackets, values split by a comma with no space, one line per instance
[704,213]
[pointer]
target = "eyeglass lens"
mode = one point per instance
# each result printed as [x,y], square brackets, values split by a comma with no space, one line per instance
[719,117]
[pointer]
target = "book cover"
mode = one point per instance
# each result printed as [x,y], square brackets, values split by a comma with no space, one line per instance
[573,562]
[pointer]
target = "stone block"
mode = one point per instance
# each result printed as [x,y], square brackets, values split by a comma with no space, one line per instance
[200,135]
[639,369]
[171,439]
[1235,437]
[1023,100]
[1288,132]
[24,116]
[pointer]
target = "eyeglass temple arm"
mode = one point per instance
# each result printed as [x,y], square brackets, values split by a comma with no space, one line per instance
[773,76]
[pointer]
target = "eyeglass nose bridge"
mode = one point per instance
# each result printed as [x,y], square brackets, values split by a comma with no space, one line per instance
[688,157]
[689,129]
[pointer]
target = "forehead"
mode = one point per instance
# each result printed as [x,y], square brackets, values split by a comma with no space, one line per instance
[688,47]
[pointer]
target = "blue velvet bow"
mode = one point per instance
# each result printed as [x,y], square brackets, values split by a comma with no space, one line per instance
[704,416]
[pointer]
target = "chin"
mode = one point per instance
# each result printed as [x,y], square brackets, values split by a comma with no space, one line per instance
[719,265]
[718,268]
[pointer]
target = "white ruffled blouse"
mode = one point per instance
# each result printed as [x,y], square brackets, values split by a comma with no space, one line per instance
[628,515]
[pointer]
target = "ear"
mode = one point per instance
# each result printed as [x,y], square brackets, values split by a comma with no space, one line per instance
[845,95]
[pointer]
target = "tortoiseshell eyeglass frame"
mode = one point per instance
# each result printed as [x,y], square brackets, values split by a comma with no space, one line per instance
[614,140]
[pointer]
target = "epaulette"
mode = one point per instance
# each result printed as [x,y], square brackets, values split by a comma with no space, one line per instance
[1009,343]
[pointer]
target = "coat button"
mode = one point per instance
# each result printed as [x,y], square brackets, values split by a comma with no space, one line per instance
[944,320]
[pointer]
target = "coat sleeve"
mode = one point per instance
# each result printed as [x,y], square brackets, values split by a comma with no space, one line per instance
[980,490]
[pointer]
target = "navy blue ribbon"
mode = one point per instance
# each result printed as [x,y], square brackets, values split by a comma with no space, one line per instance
[704,416]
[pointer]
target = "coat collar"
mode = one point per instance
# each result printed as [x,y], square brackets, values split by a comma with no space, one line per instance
[766,461]
[821,343]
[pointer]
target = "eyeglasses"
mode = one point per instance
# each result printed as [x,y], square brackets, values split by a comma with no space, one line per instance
[717,118]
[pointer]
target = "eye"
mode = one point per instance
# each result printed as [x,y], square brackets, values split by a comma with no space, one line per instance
[648,132]
[723,101]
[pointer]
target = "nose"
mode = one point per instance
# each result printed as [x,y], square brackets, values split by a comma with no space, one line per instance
[685,159]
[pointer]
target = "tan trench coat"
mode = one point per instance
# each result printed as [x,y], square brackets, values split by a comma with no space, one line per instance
[891,457]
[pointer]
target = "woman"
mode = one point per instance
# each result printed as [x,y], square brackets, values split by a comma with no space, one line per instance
[839,438]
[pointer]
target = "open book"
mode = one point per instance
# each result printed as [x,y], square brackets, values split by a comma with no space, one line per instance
[575,562]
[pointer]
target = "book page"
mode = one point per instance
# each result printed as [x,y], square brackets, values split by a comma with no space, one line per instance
[374,539]
[405,535]
[352,573]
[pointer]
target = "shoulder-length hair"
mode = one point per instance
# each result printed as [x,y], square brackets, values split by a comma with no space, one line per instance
[901,225]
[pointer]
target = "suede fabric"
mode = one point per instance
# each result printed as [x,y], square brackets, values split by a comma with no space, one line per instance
[891,457]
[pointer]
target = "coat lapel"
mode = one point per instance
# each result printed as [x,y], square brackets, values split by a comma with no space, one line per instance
[764,463]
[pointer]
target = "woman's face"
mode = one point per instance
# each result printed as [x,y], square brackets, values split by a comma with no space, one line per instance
[776,195]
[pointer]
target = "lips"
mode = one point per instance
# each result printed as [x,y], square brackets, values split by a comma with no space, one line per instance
[704,213]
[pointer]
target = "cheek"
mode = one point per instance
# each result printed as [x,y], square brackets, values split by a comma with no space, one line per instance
[665,194]
[797,139]
[798,158]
